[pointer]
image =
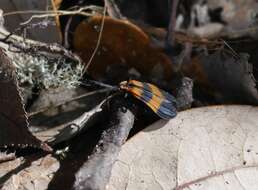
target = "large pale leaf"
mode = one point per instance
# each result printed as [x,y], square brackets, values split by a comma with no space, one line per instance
[205,148]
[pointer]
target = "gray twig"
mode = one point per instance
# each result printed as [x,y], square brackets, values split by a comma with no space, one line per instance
[95,173]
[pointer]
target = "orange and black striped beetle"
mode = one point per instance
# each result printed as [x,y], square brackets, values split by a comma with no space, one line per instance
[161,102]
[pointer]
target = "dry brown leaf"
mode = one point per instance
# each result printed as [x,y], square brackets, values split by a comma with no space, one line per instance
[122,44]
[13,120]
[34,177]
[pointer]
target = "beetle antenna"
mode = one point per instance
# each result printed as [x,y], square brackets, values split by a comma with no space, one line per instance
[102,84]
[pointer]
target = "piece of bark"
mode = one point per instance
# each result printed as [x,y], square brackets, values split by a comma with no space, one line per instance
[185,94]
[59,106]
[69,130]
[95,173]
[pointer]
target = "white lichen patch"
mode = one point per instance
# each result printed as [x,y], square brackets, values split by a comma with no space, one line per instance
[46,73]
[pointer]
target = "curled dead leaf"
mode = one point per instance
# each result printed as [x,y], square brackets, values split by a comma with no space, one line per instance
[13,120]
[227,77]
[122,44]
